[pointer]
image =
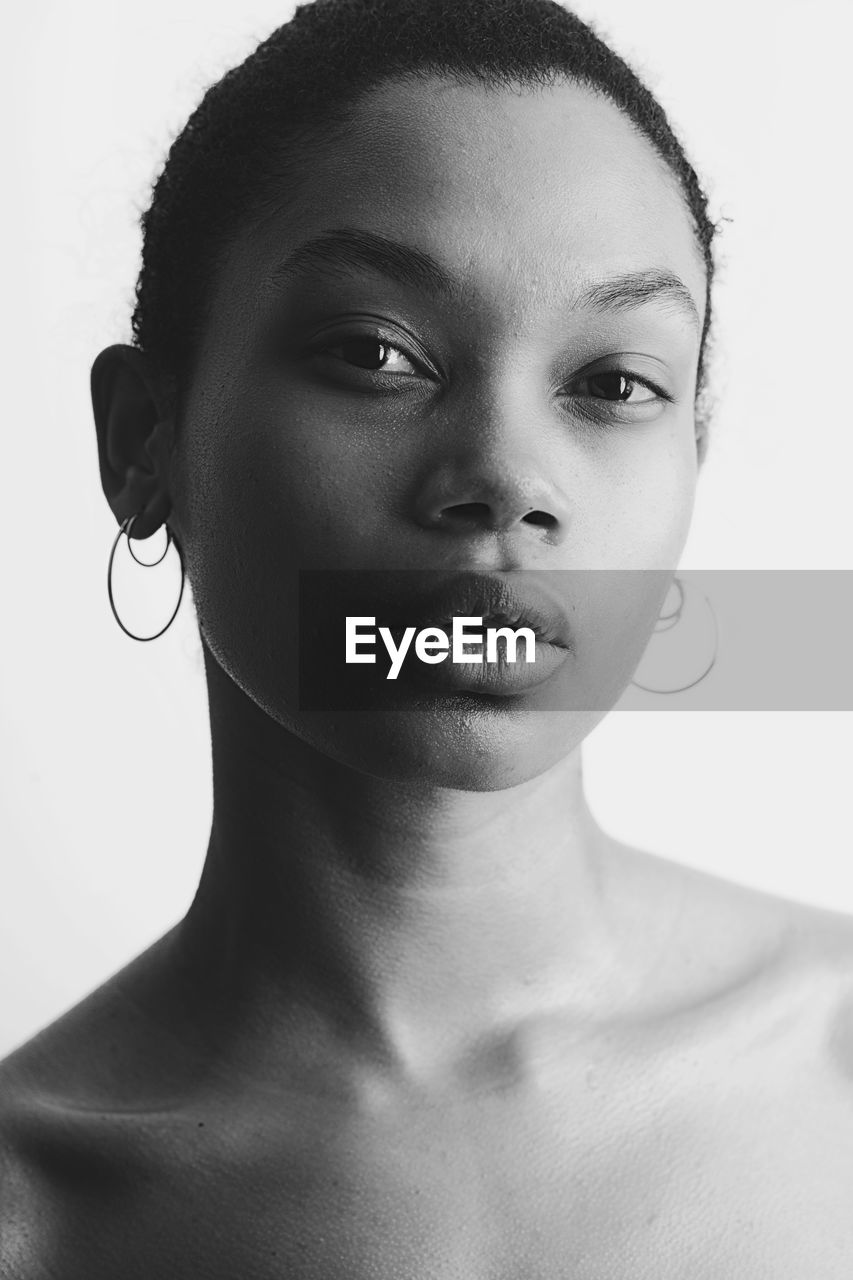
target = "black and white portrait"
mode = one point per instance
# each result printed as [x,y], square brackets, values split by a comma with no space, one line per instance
[426,848]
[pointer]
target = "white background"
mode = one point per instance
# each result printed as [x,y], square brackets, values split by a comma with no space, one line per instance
[105,768]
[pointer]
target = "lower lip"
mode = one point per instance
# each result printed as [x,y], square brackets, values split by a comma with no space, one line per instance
[500,679]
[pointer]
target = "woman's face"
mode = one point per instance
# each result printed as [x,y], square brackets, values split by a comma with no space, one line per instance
[508,385]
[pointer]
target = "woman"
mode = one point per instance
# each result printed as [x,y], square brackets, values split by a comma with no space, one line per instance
[421,323]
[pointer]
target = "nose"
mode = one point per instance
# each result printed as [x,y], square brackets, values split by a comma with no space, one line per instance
[477,493]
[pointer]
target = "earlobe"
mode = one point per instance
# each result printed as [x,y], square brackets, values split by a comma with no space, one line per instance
[135,430]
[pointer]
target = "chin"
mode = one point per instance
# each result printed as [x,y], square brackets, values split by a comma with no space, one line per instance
[465,742]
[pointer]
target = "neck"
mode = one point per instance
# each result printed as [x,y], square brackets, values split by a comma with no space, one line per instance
[414,919]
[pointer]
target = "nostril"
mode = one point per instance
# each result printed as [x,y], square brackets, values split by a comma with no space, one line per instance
[542,518]
[481,513]
[465,511]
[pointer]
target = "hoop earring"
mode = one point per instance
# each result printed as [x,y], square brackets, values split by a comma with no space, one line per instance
[672,619]
[125,528]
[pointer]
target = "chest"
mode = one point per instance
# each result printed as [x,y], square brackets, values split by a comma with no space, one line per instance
[744,1187]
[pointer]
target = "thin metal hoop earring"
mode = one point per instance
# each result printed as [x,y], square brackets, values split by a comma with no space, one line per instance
[671,620]
[125,528]
[146,564]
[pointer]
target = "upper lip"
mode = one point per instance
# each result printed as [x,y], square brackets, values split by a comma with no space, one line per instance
[498,601]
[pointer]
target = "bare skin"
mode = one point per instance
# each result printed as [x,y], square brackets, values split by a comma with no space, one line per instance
[424,1017]
[699,1126]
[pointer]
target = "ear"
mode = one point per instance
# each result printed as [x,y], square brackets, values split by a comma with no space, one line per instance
[135,429]
[701,441]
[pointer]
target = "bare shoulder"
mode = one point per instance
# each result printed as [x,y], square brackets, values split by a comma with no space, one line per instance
[819,956]
[63,1094]
[715,942]
[83,1054]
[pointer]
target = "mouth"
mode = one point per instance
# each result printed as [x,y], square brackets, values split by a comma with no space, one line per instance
[489,656]
[494,599]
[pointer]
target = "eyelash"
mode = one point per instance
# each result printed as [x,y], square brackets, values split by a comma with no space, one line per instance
[381,340]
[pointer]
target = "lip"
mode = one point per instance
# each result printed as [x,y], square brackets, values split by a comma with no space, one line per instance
[499,602]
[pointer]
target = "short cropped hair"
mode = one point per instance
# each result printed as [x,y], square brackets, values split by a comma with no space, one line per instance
[253,130]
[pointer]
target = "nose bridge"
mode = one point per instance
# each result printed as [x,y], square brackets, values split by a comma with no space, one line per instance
[493,466]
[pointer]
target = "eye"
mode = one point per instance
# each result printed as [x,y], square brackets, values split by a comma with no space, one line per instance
[603,398]
[369,352]
[618,385]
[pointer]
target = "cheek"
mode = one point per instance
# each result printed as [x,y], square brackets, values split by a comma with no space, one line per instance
[266,491]
[286,485]
[641,518]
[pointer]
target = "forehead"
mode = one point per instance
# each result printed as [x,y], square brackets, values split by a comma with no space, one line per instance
[528,191]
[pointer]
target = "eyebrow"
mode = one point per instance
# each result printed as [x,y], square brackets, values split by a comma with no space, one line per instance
[347,248]
[635,288]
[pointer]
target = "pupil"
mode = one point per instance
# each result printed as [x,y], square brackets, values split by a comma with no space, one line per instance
[367,353]
[612,385]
